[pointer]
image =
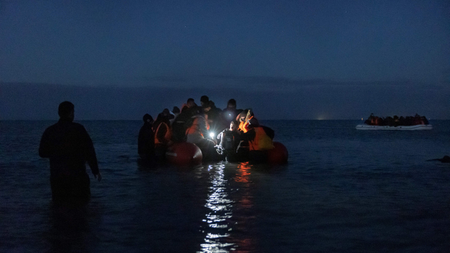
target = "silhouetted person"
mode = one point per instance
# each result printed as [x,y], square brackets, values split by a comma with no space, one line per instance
[175,112]
[183,120]
[204,100]
[69,147]
[229,142]
[213,116]
[230,113]
[146,139]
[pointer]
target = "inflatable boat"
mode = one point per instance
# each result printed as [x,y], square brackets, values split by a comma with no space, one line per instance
[377,127]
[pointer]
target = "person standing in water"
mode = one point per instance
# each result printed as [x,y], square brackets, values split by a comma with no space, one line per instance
[68,147]
[146,139]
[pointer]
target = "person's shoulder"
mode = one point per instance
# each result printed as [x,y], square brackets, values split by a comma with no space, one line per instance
[78,127]
[49,129]
[76,124]
[52,126]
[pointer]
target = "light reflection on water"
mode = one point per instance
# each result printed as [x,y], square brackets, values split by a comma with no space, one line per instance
[228,203]
[220,207]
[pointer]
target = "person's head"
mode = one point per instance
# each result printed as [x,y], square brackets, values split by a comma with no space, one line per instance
[148,118]
[161,117]
[233,125]
[231,103]
[176,109]
[166,112]
[204,100]
[241,116]
[253,122]
[190,103]
[66,110]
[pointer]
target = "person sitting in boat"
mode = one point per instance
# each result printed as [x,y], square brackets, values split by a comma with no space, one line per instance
[244,120]
[212,115]
[388,121]
[182,121]
[175,112]
[163,135]
[230,112]
[197,133]
[167,114]
[420,120]
[260,140]
[204,100]
[370,120]
[229,142]
[146,139]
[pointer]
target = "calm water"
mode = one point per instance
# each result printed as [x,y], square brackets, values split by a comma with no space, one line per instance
[343,190]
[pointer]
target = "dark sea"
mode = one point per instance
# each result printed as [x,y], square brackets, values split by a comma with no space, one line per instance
[342,190]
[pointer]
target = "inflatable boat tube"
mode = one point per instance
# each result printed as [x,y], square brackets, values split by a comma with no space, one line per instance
[184,154]
[278,155]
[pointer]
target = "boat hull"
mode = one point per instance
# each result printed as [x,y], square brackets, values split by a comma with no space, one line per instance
[394,128]
[184,154]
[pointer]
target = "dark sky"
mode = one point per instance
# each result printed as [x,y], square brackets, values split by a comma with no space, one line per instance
[286,59]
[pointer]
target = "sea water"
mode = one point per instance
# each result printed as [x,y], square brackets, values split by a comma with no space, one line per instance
[343,190]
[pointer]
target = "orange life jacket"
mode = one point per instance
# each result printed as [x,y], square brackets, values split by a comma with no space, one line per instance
[167,135]
[243,125]
[199,125]
[261,141]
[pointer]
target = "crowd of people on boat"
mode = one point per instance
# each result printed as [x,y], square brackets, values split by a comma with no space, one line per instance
[396,121]
[232,134]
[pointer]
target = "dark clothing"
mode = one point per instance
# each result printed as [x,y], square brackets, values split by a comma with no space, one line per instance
[250,135]
[146,141]
[181,123]
[230,143]
[69,147]
[215,121]
[231,140]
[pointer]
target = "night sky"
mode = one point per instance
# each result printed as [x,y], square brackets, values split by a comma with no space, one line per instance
[284,59]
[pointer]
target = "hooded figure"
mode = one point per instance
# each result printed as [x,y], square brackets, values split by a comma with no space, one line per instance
[146,139]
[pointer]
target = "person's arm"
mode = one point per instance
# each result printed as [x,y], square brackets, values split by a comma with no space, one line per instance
[91,156]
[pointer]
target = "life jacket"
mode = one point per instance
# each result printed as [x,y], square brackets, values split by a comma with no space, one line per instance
[244,125]
[199,125]
[261,141]
[167,134]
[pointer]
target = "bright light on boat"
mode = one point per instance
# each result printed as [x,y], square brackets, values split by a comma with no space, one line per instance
[212,135]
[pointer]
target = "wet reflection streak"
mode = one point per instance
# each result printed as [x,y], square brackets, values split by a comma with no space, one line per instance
[217,220]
